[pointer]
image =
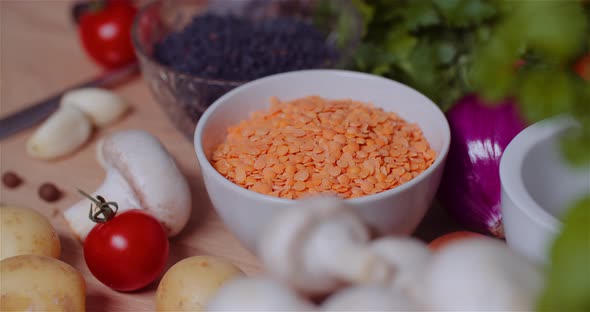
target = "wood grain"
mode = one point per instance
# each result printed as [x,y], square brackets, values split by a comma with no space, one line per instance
[40,55]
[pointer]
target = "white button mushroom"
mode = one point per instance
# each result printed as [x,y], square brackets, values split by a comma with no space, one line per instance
[409,257]
[140,174]
[369,298]
[320,245]
[480,274]
[257,294]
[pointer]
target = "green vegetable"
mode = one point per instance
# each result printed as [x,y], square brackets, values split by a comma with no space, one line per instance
[568,284]
[426,44]
[498,49]
[547,37]
[524,50]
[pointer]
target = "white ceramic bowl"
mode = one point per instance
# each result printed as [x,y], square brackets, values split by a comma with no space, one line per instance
[537,187]
[398,210]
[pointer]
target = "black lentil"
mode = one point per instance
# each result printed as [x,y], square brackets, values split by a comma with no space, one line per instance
[234,48]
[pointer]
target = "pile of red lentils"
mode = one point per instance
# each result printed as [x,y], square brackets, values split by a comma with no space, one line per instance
[314,145]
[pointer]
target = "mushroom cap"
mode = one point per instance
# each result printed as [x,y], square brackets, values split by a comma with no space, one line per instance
[257,294]
[369,298]
[157,183]
[481,274]
[286,247]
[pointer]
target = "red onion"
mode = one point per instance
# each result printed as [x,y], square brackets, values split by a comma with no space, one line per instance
[470,188]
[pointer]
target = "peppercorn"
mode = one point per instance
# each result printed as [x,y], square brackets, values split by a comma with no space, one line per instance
[49,192]
[11,179]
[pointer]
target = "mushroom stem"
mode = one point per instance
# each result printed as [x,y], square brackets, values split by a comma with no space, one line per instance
[140,174]
[319,246]
[334,250]
[118,190]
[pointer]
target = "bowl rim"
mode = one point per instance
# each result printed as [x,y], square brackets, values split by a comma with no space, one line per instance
[511,165]
[205,163]
[143,54]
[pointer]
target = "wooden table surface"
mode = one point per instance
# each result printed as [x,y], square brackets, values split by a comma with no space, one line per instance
[39,55]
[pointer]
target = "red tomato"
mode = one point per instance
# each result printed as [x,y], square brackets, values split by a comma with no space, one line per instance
[441,241]
[583,67]
[127,252]
[106,33]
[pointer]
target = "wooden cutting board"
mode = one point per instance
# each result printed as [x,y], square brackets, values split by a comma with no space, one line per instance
[40,54]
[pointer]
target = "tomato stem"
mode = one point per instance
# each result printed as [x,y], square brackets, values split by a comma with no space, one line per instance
[96,6]
[102,208]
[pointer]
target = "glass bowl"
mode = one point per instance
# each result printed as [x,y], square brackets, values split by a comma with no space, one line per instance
[184,97]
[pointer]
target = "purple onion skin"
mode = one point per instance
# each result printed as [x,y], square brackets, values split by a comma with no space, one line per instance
[470,188]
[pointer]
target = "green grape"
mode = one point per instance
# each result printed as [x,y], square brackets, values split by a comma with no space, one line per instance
[546,92]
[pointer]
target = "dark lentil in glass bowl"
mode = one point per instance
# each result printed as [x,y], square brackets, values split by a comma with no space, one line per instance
[193,52]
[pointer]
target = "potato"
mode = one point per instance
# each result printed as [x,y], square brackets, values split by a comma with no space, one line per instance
[25,231]
[40,283]
[190,283]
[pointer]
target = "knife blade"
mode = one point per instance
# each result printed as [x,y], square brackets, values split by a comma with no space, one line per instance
[30,116]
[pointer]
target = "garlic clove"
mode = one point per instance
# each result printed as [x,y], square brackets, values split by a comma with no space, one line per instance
[100,105]
[62,133]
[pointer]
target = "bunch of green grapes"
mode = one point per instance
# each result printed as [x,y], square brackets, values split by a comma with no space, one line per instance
[538,54]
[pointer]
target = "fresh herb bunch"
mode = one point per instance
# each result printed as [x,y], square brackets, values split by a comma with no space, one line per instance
[532,56]
[427,44]
[523,50]
[536,53]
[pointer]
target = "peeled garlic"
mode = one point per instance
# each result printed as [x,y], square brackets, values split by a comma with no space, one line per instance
[100,105]
[70,126]
[62,133]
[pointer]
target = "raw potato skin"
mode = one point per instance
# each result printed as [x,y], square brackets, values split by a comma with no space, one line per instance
[39,283]
[24,231]
[190,283]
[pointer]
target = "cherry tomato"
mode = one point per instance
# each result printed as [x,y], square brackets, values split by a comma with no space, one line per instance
[105,32]
[583,67]
[128,251]
[441,241]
